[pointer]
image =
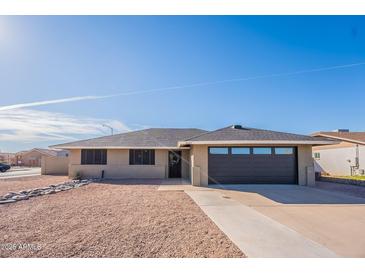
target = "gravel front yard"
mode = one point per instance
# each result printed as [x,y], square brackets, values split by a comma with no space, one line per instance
[18,184]
[108,220]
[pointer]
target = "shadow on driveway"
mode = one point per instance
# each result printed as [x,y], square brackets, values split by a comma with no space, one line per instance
[293,194]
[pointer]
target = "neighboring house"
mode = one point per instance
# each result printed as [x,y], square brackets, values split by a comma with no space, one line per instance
[347,157]
[7,158]
[32,158]
[234,154]
[17,160]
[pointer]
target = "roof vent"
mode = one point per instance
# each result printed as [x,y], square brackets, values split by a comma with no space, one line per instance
[342,130]
[237,126]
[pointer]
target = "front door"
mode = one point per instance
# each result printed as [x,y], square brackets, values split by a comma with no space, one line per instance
[175,164]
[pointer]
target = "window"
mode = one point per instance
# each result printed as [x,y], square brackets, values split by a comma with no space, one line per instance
[141,157]
[317,155]
[93,156]
[283,150]
[218,150]
[262,150]
[240,150]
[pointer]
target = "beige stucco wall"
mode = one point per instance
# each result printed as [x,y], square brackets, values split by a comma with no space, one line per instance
[337,159]
[305,166]
[199,165]
[54,165]
[118,165]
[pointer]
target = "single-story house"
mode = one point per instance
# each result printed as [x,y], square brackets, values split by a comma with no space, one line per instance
[233,154]
[347,157]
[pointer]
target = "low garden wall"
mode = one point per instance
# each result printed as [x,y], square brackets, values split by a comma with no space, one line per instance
[339,180]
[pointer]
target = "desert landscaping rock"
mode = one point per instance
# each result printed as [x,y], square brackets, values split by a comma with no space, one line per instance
[8,201]
[52,189]
[9,195]
[20,197]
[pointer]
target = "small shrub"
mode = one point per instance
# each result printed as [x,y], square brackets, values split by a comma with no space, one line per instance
[78,176]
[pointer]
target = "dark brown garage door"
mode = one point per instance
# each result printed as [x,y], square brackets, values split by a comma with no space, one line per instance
[252,165]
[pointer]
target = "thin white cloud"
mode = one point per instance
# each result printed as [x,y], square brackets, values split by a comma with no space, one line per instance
[178,87]
[50,102]
[26,125]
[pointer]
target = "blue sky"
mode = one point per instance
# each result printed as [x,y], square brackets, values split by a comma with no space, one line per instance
[48,58]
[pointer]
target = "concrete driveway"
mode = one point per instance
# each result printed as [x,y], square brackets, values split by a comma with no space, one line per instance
[287,220]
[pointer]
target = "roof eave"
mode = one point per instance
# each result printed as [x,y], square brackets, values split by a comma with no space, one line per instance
[339,138]
[258,142]
[116,147]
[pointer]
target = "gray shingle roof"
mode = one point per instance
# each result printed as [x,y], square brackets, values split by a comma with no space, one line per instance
[169,138]
[153,137]
[49,152]
[251,134]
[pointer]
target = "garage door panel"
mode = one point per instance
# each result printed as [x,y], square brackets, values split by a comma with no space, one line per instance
[251,180]
[253,168]
[275,176]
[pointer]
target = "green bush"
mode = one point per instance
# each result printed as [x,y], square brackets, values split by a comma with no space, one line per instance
[78,176]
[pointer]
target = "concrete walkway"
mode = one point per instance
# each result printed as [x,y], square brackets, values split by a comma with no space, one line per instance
[254,233]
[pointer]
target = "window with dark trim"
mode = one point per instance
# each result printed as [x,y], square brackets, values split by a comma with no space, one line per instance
[218,150]
[262,150]
[93,156]
[240,150]
[317,155]
[283,150]
[141,156]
